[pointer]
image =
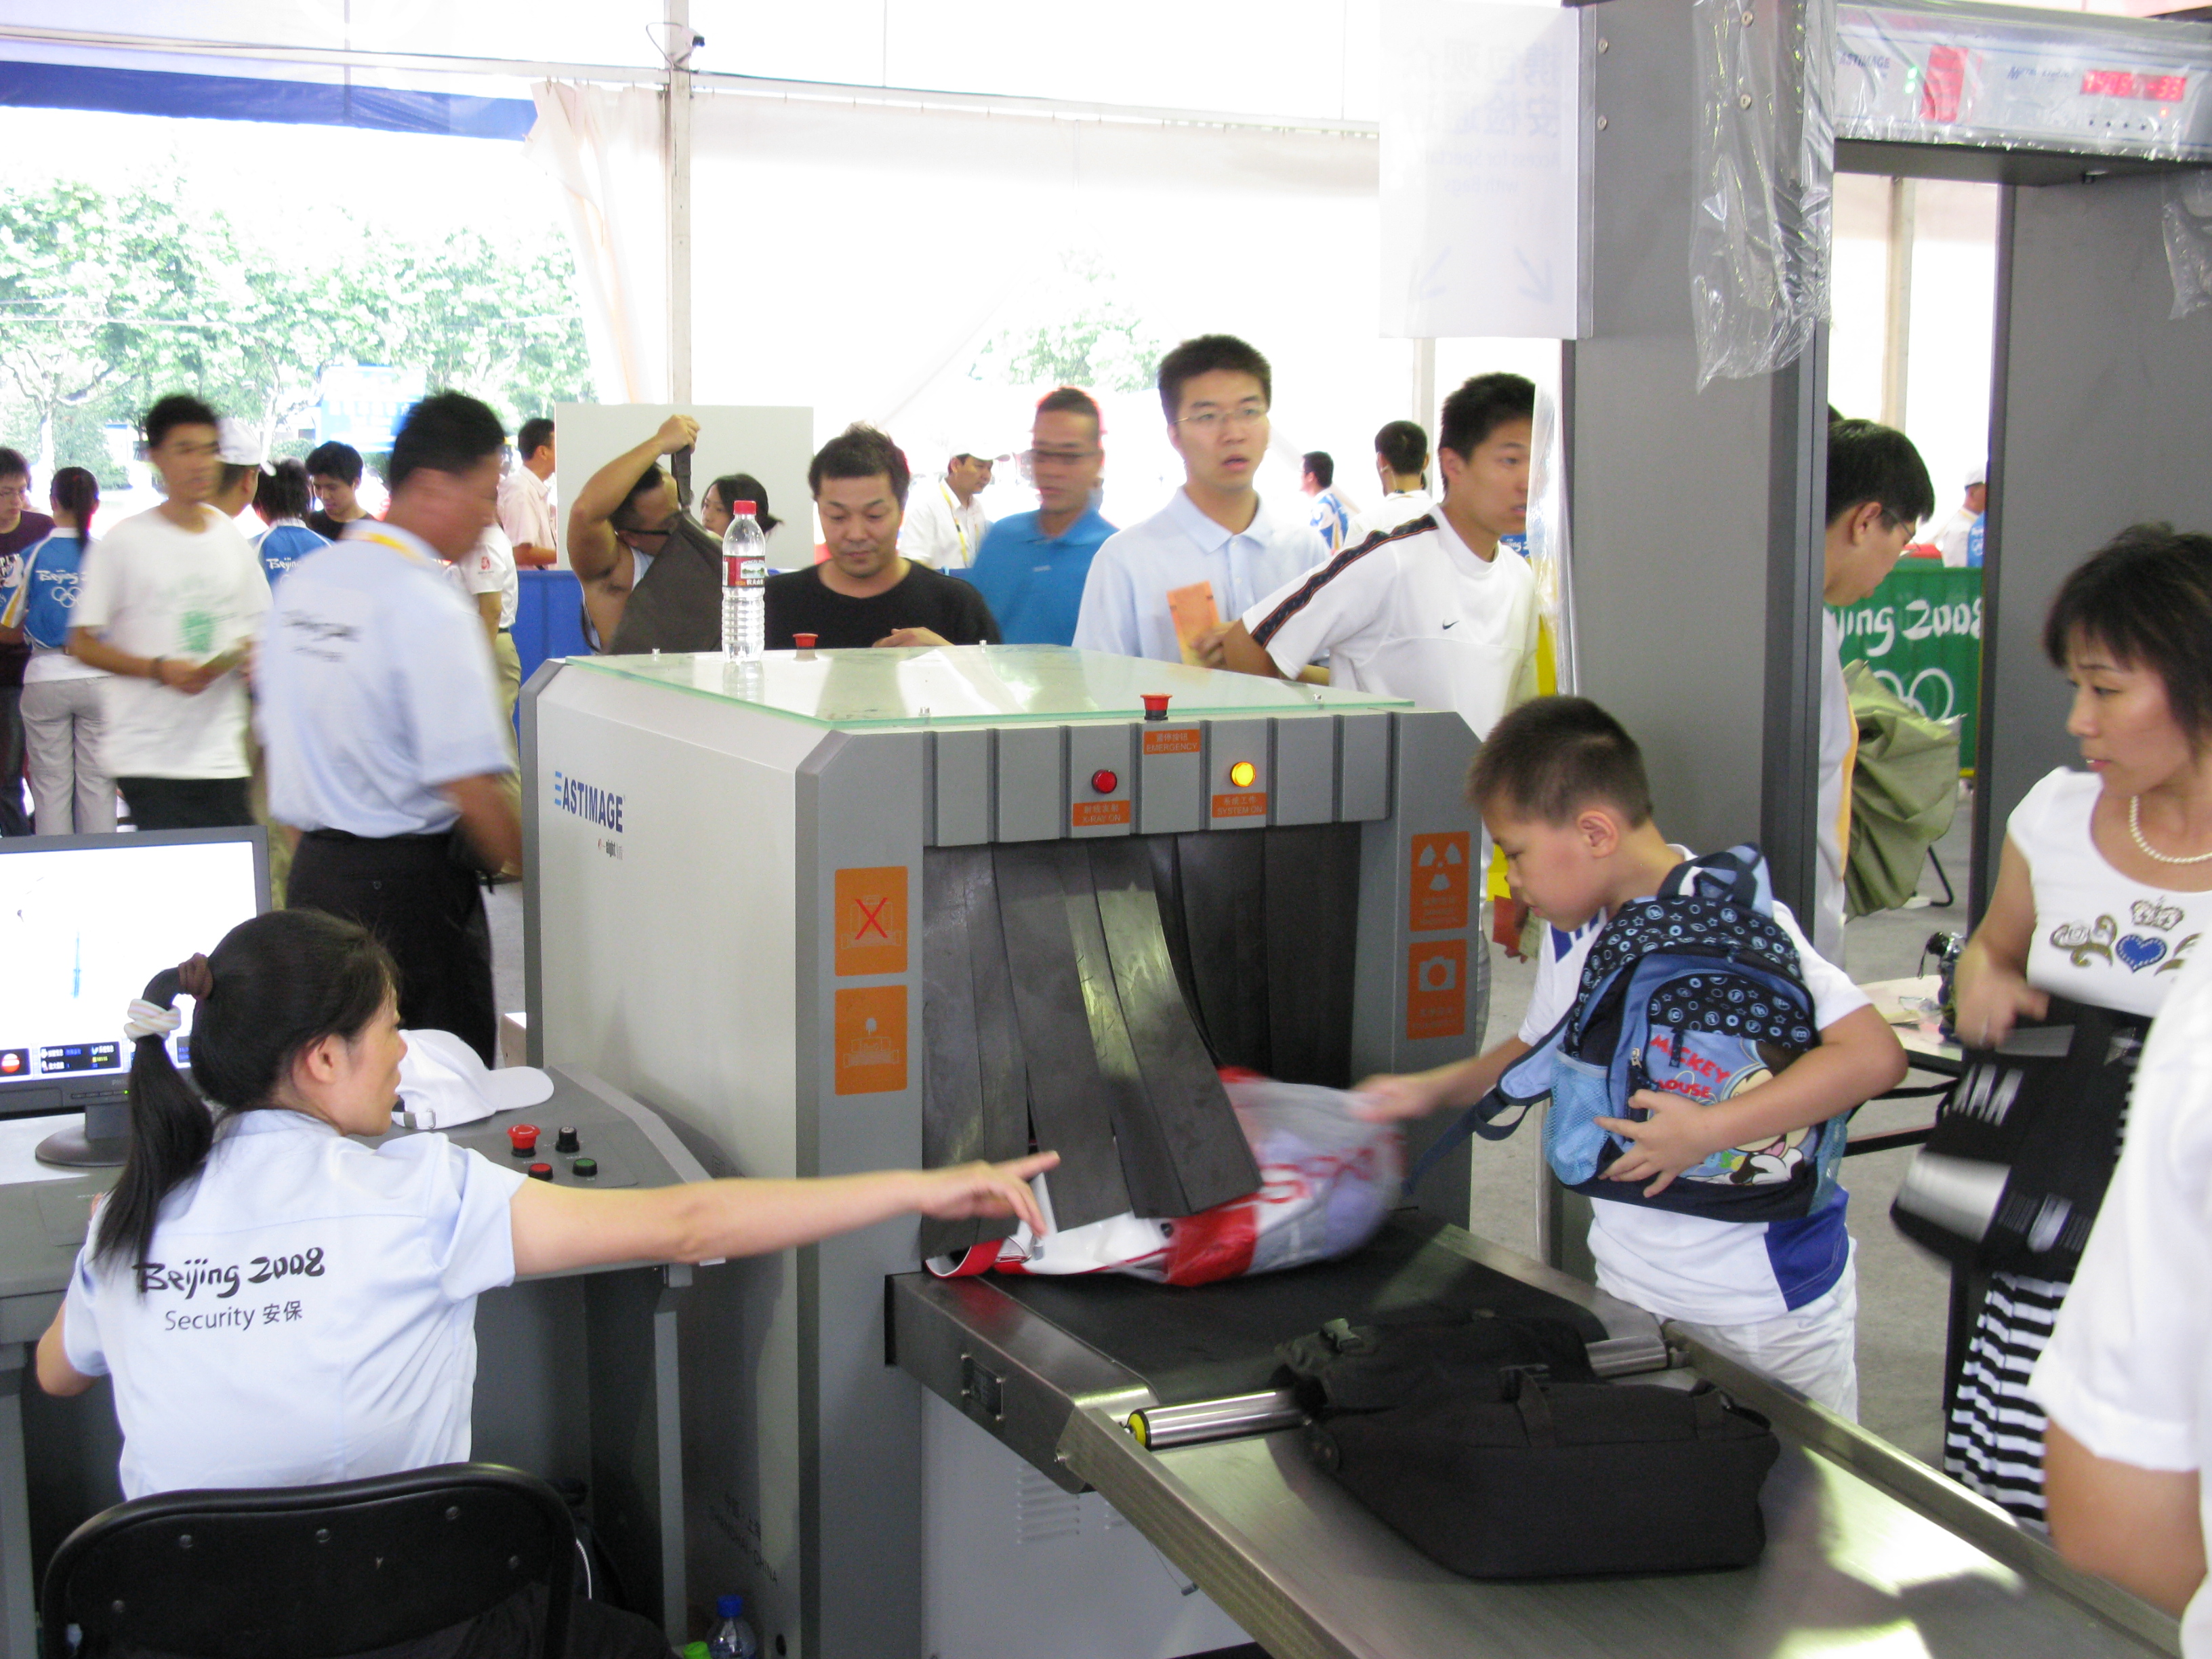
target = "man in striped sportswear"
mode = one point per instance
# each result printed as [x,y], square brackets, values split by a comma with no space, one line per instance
[1431,610]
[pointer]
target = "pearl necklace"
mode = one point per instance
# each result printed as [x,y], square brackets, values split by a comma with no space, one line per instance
[2134,829]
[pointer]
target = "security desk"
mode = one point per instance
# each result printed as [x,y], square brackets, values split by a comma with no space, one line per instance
[576,1373]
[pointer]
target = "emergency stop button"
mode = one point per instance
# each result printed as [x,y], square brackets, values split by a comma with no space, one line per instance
[1104,781]
[523,1138]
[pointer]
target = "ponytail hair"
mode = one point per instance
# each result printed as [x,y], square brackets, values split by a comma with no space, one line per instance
[76,492]
[277,985]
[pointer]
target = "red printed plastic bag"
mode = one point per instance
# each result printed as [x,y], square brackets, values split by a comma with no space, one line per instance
[1327,1182]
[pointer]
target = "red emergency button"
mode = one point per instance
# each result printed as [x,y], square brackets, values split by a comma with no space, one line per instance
[523,1138]
[1104,781]
[1156,704]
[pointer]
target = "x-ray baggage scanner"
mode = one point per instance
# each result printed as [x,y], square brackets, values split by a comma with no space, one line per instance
[817,909]
[839,911]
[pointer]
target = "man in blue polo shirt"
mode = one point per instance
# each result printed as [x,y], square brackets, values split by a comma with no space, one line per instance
[1032,567]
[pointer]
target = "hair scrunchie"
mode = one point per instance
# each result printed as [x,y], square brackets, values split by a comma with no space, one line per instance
[150,1019]
[195,979]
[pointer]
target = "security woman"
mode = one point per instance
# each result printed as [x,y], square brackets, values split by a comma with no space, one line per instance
[349,1349]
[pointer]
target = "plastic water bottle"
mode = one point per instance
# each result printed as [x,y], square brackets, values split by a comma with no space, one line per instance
[732,1638]
[745,579]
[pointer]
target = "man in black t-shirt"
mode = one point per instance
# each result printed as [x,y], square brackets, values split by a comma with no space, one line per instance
[866,594]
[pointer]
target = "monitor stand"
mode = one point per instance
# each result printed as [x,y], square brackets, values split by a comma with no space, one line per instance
[98,1145]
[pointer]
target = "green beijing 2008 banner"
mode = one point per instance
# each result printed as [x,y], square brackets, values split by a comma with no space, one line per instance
[1921,632]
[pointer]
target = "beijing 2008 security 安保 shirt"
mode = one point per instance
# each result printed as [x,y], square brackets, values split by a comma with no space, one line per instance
[307,1313]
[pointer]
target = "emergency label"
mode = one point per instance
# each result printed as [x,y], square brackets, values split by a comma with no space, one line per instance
[871,921]
[1182,741]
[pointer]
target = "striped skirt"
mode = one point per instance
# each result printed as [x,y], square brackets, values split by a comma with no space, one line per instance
[1994,1441]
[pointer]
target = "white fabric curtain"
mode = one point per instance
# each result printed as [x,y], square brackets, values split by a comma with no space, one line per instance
[603,145]
[856,258]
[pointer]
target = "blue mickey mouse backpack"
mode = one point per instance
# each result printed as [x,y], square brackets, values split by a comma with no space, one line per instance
[1697,991]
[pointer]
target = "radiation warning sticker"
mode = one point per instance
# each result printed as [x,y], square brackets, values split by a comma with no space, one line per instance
[1441,870]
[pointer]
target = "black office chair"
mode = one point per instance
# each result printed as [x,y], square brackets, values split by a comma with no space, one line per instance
[310,1572]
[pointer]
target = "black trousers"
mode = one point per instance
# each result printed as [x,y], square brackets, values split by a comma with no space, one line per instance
[426,909]
[188,803]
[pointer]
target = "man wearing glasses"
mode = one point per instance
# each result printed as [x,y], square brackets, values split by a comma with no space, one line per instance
[652,577]
[1032,567]
[1162,588]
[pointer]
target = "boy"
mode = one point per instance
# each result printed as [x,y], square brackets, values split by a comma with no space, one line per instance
[1878,493]
[1214,547]
[1561,789]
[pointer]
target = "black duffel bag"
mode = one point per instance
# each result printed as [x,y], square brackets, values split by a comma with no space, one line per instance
[2013,1173]
[1497,1467]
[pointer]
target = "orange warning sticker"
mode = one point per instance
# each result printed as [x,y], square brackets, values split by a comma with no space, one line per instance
[1251,804]
[871,921]
[871,1038]
[1436,989]
[1183,740]
[1094,814]
[1441,866]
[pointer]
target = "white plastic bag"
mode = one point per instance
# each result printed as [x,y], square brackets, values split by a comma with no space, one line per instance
[1327,1182]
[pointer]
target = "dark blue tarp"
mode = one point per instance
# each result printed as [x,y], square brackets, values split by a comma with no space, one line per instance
[241,98]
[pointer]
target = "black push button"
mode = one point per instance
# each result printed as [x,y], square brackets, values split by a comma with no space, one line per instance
[566,1141]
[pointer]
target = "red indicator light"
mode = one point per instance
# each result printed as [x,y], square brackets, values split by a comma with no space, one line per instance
[1104,781]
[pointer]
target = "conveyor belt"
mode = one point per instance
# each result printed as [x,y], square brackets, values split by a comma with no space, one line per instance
[1869,1551]
[1209,1340]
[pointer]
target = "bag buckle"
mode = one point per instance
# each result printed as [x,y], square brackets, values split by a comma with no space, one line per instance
[1341,1335]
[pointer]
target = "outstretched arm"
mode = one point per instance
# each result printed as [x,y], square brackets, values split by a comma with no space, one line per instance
[591,536]
[558,1227]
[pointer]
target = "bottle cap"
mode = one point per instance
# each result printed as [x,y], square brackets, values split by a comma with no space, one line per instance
[743,507]
[695,1650]
[729,1607]
[804,642]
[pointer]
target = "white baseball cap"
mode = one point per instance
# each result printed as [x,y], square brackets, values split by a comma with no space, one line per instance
[1977,473]
[239,445]
[442,1082]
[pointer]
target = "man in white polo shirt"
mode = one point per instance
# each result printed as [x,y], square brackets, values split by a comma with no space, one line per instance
[377,713]
[1434,609]
[1214,546]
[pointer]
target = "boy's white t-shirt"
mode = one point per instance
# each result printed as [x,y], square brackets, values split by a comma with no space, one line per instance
[1413,615]
[154,590]
[1688,1266]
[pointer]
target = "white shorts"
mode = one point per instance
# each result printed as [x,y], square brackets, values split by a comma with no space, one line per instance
[1815,1348]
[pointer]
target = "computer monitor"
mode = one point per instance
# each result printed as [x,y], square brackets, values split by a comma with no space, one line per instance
[85,921]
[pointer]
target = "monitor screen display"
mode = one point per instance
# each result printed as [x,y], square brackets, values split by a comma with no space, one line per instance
[85,921]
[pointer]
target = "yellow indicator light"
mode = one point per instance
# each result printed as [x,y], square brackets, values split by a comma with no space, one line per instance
[1243,773]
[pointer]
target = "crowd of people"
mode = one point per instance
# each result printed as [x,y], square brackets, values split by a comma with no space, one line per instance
[359,673]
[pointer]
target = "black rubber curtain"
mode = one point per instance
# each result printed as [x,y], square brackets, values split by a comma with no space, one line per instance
[1087,991]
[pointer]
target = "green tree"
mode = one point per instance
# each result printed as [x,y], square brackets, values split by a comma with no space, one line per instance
[110,298]
[92,286]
